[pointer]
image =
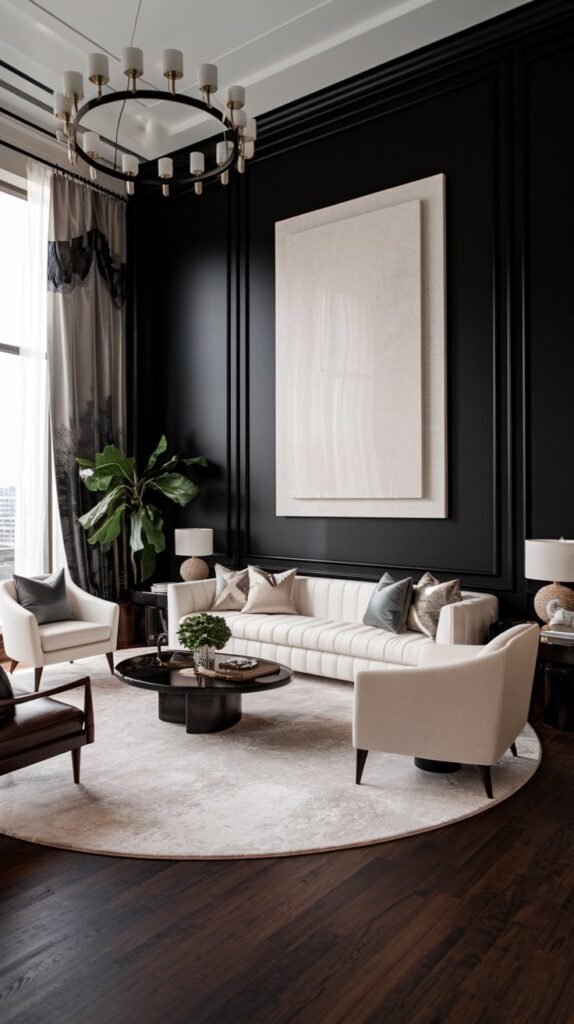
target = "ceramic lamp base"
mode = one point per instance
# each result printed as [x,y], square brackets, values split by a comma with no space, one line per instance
[194,569]
[553,592]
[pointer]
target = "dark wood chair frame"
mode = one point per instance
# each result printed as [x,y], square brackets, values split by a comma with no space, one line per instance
[74,742]
[484,770]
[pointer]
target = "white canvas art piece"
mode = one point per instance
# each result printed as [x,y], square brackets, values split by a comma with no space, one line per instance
[360,357]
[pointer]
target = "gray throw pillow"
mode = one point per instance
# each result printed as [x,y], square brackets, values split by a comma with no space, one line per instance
[46,599]
[429,596]
[389,605]
[6,692]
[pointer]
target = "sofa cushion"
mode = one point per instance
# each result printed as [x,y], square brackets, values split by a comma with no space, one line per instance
[57,636]
[328,636]
[231,589]
[271,593]
[46,599]
[429,596]
[389,605]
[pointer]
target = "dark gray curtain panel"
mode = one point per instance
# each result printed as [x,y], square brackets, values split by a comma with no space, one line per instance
[86,356]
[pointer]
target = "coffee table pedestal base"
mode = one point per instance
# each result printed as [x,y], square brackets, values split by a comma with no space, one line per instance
[200,712]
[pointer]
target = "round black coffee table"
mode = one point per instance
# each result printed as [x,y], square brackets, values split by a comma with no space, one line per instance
[201,703]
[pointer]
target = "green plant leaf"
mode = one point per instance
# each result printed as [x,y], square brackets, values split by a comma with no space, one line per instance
[175,486]
[85,462]
[199,460]
[159,450]
[103,507]
[136,539]
[112,462]
[110,529]
[152,528]
[147,562]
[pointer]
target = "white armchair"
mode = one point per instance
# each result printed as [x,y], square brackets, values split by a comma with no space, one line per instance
[467,708]
[93,631]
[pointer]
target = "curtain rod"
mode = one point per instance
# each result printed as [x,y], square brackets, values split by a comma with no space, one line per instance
[64,171]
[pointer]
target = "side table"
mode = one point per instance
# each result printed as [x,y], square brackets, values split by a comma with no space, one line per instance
[155,613]
[556,663]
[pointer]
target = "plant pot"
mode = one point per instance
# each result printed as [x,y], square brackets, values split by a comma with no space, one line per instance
[205,657]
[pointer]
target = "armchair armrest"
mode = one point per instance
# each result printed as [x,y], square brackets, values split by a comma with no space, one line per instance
[92,609]
[467,621]
[185,599]
[447,712]
[88,703]
[20,632]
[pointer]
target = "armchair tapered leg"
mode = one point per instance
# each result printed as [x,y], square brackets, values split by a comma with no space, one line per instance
[110,658]
[76,756]
[513,749]
[37,678]
[484,770]
[13,665]
[361,758]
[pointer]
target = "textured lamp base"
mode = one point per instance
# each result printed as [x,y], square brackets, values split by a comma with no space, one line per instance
[553,592]
[194,569]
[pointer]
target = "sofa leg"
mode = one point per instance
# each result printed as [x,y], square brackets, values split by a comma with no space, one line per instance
[110,658]
[37,678]
[361,758]
[513,749]
[13,665]
[484,770]
[76,756]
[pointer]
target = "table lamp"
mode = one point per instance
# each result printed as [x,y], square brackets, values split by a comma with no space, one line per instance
[194,542]
[550,560]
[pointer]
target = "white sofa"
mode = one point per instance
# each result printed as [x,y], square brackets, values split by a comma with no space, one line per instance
[327,637]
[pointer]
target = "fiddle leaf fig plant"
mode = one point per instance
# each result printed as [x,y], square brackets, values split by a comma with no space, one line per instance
[128,500]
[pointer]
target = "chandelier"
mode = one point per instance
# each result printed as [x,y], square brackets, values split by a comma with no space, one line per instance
[239,131]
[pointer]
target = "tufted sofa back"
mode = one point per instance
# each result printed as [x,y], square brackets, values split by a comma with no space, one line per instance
[342,600]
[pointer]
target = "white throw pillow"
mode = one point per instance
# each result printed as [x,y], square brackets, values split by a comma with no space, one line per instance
[270,593]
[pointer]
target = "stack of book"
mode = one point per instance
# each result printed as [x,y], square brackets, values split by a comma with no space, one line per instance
[159,588]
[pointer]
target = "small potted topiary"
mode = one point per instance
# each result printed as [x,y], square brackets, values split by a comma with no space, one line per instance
[204,635]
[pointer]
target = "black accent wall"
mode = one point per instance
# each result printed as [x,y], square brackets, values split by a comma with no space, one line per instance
[492,109]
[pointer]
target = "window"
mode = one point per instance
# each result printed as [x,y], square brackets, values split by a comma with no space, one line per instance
[13,241]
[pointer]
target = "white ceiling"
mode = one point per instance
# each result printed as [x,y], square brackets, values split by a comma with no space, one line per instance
[279,49]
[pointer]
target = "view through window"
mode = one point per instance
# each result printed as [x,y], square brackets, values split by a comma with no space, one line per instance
[12,298]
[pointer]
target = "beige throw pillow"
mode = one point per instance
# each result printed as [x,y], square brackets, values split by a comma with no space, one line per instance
[231,587]
[429,596]
[271,593]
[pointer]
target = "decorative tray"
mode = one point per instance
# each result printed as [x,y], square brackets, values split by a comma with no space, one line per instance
[262,668]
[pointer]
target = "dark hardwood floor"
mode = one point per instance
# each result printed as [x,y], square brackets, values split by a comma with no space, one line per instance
[473,923]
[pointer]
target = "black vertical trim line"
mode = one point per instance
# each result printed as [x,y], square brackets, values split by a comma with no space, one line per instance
[230,543]
[245,392]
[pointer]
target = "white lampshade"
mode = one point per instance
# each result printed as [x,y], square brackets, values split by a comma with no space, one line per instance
[165,167]
[207,77]
[132,61]
[130,164]
[172,63]
[549,560]
[224,151]
[98,66]
[91,143]
[194,542]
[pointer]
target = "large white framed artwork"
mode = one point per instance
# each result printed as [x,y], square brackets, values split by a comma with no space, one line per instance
[360,357]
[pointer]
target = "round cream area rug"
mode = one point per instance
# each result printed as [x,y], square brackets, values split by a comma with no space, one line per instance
[281,782]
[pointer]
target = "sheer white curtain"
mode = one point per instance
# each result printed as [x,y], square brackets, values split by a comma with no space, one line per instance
[33,520]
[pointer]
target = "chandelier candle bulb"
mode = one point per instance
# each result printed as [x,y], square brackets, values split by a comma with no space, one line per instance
[91,144]
[98,70]
[172,64]
[207,81]
[62,106]
[165,170]
[250,130]
[131,166]
[132,64]
[235,97]
[248,149]
[196,162]
[73,86]
[239,118]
